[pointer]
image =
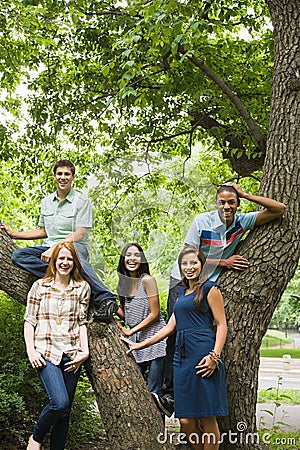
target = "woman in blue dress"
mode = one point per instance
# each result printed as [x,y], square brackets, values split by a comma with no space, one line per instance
[199,376]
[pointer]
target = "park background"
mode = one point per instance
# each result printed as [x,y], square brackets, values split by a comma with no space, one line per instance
[123,91]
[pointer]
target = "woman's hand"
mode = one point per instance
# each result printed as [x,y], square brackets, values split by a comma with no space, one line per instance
[127,332]
[132,345]
[74,365]
[124,330]
[206,367]
[36,359]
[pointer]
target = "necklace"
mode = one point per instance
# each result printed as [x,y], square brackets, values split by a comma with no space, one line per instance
[59,321]
[59,309]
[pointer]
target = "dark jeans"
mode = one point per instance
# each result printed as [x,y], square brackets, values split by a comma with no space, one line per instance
[155,374]
[60,387]
[29,259]
[168,373]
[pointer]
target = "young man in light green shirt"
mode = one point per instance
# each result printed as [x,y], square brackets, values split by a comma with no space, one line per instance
[66,215]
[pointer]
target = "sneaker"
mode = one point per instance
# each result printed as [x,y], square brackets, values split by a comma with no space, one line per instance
[105,310]
[164,403]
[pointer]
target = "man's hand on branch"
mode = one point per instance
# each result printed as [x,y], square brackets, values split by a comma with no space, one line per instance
[7,229]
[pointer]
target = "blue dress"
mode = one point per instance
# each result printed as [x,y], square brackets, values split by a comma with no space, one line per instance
[196,396]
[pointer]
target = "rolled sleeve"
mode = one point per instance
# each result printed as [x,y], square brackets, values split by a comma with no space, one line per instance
[84,216]
[84,305]
[33,305]
[248,220]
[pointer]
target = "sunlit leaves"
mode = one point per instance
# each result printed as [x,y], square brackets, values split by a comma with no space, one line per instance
[107,87]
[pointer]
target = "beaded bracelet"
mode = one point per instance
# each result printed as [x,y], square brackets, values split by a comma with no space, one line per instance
[217,359]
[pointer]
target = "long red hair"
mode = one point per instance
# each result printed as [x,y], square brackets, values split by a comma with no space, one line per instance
[76,271]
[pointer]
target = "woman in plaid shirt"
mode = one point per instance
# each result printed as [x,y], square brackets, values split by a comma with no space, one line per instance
[56,340]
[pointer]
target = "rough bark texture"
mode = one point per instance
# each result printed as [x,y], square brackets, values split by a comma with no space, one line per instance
[14,281]
[130,418]
[273,250]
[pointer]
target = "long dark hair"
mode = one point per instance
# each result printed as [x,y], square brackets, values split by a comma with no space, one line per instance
[203,275]
[51,270]
[125,280]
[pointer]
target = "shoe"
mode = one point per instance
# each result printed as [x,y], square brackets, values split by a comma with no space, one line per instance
[105,310]
[165,403]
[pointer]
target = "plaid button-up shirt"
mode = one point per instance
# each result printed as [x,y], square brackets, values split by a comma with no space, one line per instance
[56,317]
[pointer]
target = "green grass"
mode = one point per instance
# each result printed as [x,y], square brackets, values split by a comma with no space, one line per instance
[275,338]
[279,441]
[291,396]
[279,352]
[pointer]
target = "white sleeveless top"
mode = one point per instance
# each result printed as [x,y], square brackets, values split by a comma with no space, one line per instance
[137,309]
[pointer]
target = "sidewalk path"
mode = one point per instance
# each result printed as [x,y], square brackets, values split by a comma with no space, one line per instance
[287,417]
[286,372]
[271,369]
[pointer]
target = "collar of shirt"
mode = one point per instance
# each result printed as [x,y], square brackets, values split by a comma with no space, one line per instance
[70,197]
[72,284]
[218,224]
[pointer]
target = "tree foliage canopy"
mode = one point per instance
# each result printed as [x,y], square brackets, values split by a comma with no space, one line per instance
[126,79]
[116,85]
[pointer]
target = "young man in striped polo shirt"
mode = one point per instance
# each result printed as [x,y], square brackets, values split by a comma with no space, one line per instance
[218,233]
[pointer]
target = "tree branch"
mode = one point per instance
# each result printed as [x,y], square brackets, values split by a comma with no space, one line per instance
[241,163]
[254,128]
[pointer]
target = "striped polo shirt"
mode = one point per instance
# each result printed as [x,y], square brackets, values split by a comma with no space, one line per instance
[216,241]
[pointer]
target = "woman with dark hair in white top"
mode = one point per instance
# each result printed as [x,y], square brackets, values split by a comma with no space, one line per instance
[140,309]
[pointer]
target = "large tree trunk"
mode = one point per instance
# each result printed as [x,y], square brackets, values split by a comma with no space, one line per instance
[273,250]
[130,418]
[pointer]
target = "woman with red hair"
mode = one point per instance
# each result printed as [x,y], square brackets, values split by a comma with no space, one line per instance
[55,334]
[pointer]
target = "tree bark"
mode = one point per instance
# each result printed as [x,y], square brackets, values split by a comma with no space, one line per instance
[14,281]
[273,250]
[129,415]
[131,420]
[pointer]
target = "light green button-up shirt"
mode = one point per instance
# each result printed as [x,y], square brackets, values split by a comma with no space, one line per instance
[61,218]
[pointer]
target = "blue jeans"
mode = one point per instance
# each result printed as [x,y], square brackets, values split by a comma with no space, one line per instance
[154,377]
[168,374]
[60,387]
[29,259]
[155,369]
